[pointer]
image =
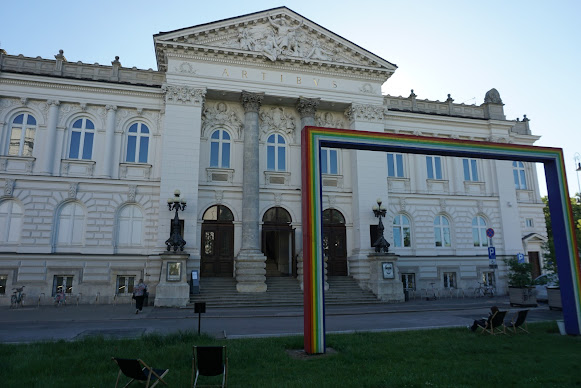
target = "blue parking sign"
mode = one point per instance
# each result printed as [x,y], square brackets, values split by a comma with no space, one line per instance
[521,258]
[492,255]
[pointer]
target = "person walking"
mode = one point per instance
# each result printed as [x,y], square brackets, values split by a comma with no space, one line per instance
[139,292]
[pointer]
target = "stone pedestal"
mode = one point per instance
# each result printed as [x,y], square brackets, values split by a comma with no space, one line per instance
[250,272]
[173,289]
[384,279]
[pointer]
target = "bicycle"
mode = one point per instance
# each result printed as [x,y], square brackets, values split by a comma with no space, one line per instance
[484,290]
[17,298]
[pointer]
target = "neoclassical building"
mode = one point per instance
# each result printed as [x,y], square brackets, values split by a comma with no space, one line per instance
[90,154]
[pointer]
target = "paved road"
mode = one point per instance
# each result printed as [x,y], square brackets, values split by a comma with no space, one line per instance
[48,323]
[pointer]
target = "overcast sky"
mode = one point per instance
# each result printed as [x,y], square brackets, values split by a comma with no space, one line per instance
[528,50]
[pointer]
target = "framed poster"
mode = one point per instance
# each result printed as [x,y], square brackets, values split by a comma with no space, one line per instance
[387,270]
[174,271]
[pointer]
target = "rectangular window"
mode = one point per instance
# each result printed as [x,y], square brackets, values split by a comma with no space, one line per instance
[62,282]
[409,281]
[125,284]
[3,279]
[88,146]
[434,166]
[143,149]
[131,143]
[529,223]
[449,279]
[75,143]
[470,170]
[395,165]
[488,278]
[329,161]
[214,149]
[281,159]
[225,155]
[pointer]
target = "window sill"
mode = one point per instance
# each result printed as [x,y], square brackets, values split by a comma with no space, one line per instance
[220,175]
[74,167]
[277,177]
[331,180]
[134,170]
[17,164]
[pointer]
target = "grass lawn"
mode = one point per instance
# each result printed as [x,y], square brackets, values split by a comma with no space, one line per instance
[428,358]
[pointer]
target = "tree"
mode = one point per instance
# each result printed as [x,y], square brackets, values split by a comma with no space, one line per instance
[550,262]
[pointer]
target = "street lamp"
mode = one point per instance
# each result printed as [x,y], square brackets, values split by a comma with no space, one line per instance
[381,244]
[175,239]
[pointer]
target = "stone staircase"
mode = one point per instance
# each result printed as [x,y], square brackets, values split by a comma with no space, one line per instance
[282,292]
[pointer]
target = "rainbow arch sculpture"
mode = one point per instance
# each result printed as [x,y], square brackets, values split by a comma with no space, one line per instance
[313,138]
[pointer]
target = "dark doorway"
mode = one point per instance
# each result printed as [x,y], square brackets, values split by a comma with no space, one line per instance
[278,242]
[335,242]
[535,264]
[217,258]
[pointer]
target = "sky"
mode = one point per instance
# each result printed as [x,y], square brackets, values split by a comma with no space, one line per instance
[527,49]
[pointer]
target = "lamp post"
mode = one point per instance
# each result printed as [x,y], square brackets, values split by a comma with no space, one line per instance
[381,244]
[175,239]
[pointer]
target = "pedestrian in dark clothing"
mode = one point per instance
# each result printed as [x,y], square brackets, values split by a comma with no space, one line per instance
[139,293]
[482,322]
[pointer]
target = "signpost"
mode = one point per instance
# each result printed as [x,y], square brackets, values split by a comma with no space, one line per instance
[492,257]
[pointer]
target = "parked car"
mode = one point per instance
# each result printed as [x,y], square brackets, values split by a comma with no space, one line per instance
[544,281]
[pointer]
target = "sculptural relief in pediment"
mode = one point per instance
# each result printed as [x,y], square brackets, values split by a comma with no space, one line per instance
[281,38]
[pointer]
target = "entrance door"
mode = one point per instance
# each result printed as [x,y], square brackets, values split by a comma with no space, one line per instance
[278,242]
[217,258]
[535,264]
[335,242]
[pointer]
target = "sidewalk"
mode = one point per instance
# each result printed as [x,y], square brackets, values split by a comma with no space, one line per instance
[72,322]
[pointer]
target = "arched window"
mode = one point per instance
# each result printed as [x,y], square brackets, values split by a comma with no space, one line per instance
[442,231]
[479,232]
[220,149]
[137,143]
[329,161]
[520,179]
[276,153]
[10,221]
[218,213]
[130,226]
[333,217]
[71,225]
[82,135]
[402,234]
[276,215]
[22,135]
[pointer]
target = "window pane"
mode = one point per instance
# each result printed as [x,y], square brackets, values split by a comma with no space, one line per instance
[474,171]
[28,142]
[483,237]
[475,237]
[397,236]
[216,135]
[438,237]
[466,169]
[225,135]
[390,166]
[324,161]
[447,240]
[270,139]
[133,128]
[31,120]
[88,146]
[144,128]
[214,148]
[429,167]
[438,161]
[19,119]
[75,143]
[143,149]
[89,125]
[280,140]
[14,147]
[399,159]
[333,161]
[523,181]
[270,158]
[131,148]
[78,123]
[225,155]
[407,237]
[281,159]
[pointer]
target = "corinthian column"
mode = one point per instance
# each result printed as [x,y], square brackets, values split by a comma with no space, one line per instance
[250,263]
[49,151]
[307,107]
[109,140]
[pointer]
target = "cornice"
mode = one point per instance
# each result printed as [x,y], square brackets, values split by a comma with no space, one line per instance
[84,88]
[429,117]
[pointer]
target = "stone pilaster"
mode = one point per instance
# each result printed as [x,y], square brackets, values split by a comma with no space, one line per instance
[109,141]
[49,150]
[307,107]
[250,263]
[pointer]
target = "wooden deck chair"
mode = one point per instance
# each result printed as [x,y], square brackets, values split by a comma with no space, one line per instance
[209,361]
[495,324]
[518,321]
[138,370]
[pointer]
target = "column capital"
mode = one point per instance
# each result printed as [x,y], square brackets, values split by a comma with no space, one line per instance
[307,107]
[53,102]
[251,101]
[184,94]
[111,107]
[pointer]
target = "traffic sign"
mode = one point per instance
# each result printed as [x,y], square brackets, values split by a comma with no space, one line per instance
[521,257]
[492,255]
[490,233]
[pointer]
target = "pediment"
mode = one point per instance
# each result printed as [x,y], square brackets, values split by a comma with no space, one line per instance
[276,35]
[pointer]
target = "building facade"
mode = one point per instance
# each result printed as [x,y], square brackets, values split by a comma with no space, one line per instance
[90,154]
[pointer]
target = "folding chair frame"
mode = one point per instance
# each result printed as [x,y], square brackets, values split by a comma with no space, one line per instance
[196,372]
[490,328]
[514,320]
[149,373]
